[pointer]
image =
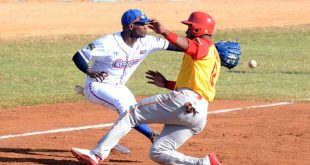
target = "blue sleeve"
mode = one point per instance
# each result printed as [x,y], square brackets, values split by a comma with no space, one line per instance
[80,63]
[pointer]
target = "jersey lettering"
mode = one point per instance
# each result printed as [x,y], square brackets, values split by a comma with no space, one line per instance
[119,63]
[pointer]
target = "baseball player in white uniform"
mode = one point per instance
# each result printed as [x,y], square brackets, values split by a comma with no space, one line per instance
[114,58]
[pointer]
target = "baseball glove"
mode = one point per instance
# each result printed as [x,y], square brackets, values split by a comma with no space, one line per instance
[229,52]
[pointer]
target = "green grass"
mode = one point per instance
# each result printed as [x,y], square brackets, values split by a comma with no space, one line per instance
[38,70]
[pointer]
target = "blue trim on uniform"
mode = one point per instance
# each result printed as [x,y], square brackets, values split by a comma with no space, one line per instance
[144,129]
[79,61]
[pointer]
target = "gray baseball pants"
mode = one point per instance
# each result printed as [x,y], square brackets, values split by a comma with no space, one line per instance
[179,126]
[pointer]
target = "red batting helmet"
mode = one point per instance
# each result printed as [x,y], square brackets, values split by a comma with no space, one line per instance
[201,23]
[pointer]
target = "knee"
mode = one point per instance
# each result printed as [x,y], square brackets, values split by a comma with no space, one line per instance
[155,155]
[159,156]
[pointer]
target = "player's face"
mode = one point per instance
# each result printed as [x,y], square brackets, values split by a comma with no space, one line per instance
[188,32]
[139,30]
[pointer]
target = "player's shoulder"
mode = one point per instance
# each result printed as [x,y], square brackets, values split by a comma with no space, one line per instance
[151,38]
[205,41]
[106,38]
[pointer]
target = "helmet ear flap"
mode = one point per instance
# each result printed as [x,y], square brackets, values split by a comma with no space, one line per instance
[196,30]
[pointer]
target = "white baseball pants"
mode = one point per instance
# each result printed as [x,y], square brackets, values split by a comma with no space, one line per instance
[117,96]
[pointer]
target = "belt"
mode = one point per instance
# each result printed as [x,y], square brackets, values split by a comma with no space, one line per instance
[199,97]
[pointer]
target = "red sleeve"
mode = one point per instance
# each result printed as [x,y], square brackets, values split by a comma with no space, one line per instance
[198,48]
[171,85]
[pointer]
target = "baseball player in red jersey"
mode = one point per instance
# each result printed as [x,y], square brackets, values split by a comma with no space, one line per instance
[114,59]
[182,111]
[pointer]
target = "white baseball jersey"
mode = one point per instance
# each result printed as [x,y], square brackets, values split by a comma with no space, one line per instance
[112,55]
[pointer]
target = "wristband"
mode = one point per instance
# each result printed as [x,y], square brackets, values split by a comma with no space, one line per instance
[171,85]
[172,37]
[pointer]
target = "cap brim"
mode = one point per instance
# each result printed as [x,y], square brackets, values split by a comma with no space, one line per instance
[144,20]
[187,22]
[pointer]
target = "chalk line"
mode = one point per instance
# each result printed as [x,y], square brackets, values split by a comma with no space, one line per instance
[57,130]
[110,124]
[250,107]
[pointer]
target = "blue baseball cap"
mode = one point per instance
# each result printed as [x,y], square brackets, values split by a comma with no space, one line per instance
[133,16]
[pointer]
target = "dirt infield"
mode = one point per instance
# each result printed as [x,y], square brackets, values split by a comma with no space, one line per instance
[273,135]
[24,19]
[261,136]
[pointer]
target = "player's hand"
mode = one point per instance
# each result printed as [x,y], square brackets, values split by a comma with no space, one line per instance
[156,78]
[157,27]
[99,76]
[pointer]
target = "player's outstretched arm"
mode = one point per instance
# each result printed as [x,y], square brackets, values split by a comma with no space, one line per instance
[171,47]
[180,42]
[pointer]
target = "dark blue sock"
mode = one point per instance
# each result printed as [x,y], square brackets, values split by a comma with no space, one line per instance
[144,129]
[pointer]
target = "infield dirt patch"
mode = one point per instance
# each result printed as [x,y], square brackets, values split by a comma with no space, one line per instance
[44,18]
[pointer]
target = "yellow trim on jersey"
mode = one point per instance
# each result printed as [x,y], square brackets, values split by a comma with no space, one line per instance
[200,75]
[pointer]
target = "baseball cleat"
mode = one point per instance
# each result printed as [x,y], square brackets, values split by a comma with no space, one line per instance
[122,149]
[213,159]
[79,89]
[86,156]
[154,136]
